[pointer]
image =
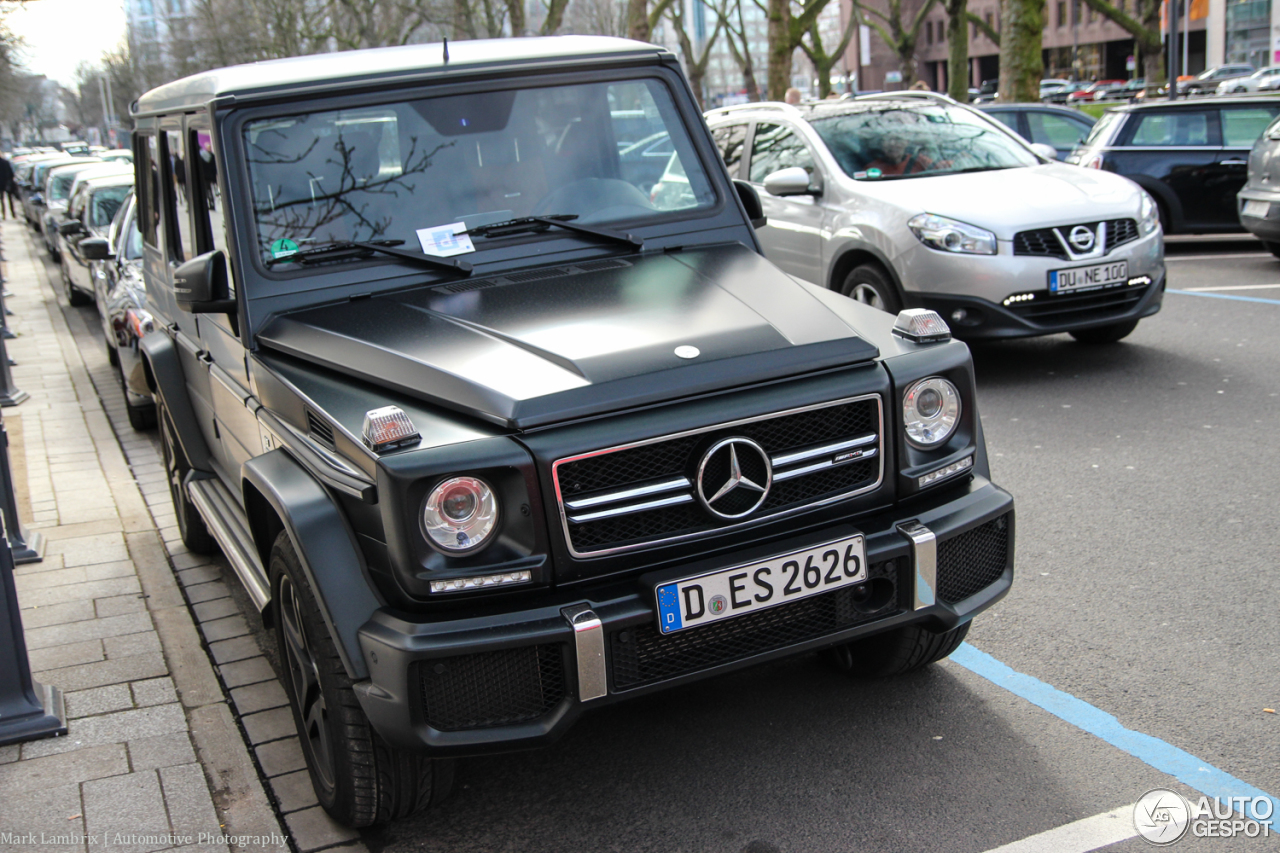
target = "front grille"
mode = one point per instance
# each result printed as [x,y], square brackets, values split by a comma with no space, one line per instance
[639,495]
[490,689]
[643,655]
[973,561]
[1046,243]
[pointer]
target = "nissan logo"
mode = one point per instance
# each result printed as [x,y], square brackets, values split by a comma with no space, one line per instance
[1082,238]
[734,477]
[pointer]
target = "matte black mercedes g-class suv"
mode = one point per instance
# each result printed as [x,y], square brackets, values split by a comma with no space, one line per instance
[497,421]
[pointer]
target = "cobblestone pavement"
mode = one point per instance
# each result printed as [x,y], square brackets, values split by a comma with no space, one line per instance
[160,719]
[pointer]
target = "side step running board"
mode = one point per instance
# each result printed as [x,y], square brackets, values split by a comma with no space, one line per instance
[230,526]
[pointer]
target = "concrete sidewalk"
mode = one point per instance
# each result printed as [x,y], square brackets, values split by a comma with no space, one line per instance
[154,758]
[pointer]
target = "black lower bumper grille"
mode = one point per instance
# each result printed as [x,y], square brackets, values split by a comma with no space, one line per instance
[490,689]
[972,561]
[1048,308]
[643,655]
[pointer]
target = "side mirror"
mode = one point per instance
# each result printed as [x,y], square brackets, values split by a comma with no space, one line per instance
[36,198]
[789,181]
[67,227]
[1048,152]
[200,285]
[751,202]
[93,248]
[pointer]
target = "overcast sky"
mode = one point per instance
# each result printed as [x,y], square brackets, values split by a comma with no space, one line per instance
[60,34]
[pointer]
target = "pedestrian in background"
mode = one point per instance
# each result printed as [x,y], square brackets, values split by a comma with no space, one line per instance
[793,96]
[6,186]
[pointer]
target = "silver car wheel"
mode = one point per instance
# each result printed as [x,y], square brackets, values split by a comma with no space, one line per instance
[868,295]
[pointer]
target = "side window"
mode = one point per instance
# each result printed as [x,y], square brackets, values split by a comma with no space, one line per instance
[149,192]
[730,141]
[1172,129]
[777,147]
[1008,119]
[179,193]
[1242,127]
[1055,130]
[206,175]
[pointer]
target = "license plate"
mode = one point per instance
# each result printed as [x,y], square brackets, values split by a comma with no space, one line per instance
[1088,278]
[743,589]
[1257,208]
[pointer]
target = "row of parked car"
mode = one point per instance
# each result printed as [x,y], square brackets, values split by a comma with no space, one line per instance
[914,200]
[82,207]
[1231,79]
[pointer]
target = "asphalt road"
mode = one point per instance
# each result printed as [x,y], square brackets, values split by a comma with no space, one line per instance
[1146,479]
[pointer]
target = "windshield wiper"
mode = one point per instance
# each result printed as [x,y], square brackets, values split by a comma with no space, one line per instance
[528,224]
[980,169]
[340,249]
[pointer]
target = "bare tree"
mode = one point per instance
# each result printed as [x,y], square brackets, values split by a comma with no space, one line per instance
[598,17]
[789,22]
[695,62]
[735,27]
[1021,56]
[897,31]
[823,61]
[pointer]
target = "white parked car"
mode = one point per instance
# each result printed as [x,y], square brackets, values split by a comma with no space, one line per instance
[1260,80]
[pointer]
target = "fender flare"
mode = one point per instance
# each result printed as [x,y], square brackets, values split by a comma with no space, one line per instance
[163,370]
[325,543]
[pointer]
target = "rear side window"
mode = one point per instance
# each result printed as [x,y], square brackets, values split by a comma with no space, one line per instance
[1242,127]
[1058,131]
[731,141]
[777,147]
[149,192]
[1171,129]
[179,193]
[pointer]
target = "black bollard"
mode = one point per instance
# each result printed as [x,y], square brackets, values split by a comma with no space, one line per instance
[29,710]
[27,547]
[9,394]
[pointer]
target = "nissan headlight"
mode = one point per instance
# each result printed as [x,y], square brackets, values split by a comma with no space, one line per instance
[460,515]
[948,235]
[1148,214]
[930,411]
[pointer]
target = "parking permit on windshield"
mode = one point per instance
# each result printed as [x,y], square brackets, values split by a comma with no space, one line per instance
[445,241]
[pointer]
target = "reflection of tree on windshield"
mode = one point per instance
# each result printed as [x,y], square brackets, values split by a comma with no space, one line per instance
[928,141]
[304,184]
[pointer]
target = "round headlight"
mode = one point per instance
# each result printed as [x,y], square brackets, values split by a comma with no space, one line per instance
[460,514]
[930,411]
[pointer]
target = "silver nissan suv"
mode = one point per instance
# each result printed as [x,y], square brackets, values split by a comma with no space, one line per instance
[918,201]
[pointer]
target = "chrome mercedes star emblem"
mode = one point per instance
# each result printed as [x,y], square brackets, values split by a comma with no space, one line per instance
[734,477]
[1082,238]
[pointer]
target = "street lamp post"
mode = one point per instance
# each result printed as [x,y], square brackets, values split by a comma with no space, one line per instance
[1172,11]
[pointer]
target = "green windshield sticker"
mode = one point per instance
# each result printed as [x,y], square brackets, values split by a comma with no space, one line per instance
[871,173]
[283,248]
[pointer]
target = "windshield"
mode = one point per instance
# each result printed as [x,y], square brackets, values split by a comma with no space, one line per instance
[385,172]
[917,140]
[106,202]
[61,185]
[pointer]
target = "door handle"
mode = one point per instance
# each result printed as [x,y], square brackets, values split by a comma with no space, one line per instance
[1234,162]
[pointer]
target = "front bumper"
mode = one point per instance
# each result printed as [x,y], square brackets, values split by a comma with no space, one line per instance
[1266,227]
[520,679]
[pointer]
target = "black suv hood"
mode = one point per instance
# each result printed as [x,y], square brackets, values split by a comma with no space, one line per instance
[548,345]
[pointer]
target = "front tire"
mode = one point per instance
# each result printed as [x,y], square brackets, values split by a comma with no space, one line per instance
[357,777]
[871,285]
[895,652]
[1105,334]
[1273,248]
[191,526]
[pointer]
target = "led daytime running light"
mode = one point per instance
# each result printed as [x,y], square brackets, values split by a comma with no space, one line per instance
[481,582]
[943,473]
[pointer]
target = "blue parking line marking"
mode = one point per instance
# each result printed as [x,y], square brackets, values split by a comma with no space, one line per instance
[1165,757]
[1226,296]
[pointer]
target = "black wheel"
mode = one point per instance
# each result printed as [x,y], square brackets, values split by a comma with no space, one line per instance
[1273,248]
[1166,222]
[871,285]
[1105,334]
[113,356]
[358,778]
[195,535]
[77,298]
[141,418]
[895,652]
